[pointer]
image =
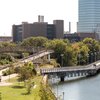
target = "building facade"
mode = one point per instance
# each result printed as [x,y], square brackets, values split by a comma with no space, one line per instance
[25,30]
[89,16]
[5,38]
[72,37]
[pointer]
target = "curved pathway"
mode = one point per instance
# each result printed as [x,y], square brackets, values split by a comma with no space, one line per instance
[4,78]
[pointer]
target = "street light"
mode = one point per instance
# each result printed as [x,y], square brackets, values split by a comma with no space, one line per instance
[63,95]
[57,88]
[62,59]
[87,58]
[79,56]
[91,55]
[95,55]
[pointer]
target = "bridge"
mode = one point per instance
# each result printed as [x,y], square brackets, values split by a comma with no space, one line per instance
[37,55]
[32,57]
[62,72]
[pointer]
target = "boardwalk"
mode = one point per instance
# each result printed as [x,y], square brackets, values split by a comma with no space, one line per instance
[62,72]
[37,55]
[33,57]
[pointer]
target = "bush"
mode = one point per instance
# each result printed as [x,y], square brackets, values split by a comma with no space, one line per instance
[17,69]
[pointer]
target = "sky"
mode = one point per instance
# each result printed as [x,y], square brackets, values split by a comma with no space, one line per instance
[18,11]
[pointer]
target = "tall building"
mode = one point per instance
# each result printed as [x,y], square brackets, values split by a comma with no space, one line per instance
[41,28]
[89,16]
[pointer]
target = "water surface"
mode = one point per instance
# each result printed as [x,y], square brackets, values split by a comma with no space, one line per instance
[82,89]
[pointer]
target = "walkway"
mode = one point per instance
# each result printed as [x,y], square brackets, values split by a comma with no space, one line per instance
[4,78]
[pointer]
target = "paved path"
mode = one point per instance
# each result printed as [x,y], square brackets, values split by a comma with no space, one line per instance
[4,78]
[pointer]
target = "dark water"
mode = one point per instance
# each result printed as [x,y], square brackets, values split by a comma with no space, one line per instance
[82,89]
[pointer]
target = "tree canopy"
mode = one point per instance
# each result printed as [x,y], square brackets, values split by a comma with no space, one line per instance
[35,42]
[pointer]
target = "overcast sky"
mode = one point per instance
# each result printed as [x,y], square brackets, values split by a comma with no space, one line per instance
[17,11]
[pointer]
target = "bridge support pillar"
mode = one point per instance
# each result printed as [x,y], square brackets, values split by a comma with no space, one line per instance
[62,78]
[49,57]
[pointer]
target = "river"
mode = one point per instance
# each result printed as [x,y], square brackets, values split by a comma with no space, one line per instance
[80,89]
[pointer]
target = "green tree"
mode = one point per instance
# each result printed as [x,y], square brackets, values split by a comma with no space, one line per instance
[35,41]
[70,57]
[59,47]
[27,71]
[94,48]
[29,85]
[81,52]
[7,44]
[63,47]
[66,41]
[92,44]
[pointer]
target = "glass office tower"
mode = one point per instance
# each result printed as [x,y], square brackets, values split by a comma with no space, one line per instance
[89,16]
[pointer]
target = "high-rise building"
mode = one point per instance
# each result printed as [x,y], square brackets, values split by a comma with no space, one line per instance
[25,30]
[89,16]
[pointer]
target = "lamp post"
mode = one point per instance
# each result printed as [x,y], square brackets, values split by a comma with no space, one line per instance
[95,55]
[62,60]
[63,95]
[57,89]
[79,56]
[91,57]
[87,58]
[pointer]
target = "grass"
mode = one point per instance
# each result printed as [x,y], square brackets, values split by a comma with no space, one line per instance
[18,92]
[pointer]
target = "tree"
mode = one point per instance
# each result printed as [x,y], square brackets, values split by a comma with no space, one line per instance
[63,47]
[34,42]
[66,41]
[27,71]
[94,48]
[7,44]
[59,47]
[92,44]
[81,51]
[30,84]
[70,58]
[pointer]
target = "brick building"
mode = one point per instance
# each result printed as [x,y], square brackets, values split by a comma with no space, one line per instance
[40,28]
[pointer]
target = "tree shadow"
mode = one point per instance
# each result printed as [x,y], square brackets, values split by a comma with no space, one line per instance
[18,87]
[25,93]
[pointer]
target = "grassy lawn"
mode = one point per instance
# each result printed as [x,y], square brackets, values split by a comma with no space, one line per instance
[18,92]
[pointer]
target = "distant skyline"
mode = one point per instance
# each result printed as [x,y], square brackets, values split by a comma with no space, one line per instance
[18,11]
